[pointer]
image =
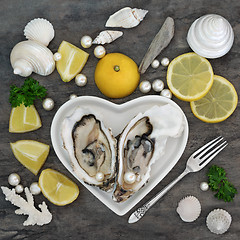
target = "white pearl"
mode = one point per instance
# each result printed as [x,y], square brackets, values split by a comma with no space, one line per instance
[72,96]
[19,188]
[157,85]
[86,41]
[35,189]
[99,51]
[57,56]
[14,179]
[165,62]
[204,186]
[48,104]
[155,63]
[166,93]
[81,80]
[99,176]
[129,177]
[145,86]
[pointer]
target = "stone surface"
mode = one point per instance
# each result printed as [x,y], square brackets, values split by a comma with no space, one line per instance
[87,217]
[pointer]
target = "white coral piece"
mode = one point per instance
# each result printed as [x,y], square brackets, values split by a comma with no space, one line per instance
[27,207]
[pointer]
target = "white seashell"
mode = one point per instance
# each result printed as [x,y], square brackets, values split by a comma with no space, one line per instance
[30,56]
[210,36]
[189,209]
[126,17]
[107,37]
[218,221]
[40,30]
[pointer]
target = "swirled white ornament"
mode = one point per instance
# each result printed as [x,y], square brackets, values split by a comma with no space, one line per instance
[30,56]
[210,36]
[107,37]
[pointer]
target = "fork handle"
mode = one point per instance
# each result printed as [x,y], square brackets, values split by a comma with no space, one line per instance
[140,212]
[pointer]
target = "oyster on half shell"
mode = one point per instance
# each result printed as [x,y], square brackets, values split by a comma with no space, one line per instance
[91,148]
[141,144]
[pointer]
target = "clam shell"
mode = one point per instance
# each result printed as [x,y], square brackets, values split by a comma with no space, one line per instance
[189,209]
[210,36]
[126,17]
[218,221]
[107,37]
[40,30]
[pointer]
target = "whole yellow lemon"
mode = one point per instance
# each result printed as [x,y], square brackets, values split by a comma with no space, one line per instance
[116,75]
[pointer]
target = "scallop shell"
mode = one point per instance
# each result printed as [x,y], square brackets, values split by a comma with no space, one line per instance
[210,36]
[218,221]
[189,209]
[40,30]
[30,56]
[126,17]
[107,37]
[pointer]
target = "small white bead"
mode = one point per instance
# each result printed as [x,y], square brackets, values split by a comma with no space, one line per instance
[204,186]
[99,51]
[145,86]
[81,80]
[35,189]
[72,96]
[57,56]
[129,177]
[19,188]
[166,93]
[48,104]
[165,62]
[86,41]
[14,179]
[157,85]
[99,176]
[155,63]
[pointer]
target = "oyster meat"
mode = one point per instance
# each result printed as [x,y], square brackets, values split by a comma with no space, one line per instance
[91,148]
[141,143]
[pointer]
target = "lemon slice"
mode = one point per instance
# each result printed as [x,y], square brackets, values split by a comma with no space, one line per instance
[57,188]
[72,61]
[219,103]
[189,76]
[30,153]
[24,119]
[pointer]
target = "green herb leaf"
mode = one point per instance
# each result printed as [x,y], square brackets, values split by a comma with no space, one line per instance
[26,94]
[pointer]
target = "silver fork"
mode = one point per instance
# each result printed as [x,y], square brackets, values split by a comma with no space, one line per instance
[198,160]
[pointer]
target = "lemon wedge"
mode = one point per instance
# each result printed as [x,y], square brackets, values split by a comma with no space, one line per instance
[72,61]
[219,103]
[24,119]
[31,154]
[57,188]
[189,76]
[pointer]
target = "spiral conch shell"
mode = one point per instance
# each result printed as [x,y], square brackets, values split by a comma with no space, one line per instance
[210,36]
[31,56]
[126,17]
[107,37]
[40,30]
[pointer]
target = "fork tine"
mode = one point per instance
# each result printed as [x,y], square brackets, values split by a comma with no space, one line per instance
[214,153]
[207,147]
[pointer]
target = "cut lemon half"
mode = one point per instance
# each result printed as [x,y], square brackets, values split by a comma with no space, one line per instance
[189,76]
[219,103]
[57,188]
[31,154]
[24,119]
[72,61]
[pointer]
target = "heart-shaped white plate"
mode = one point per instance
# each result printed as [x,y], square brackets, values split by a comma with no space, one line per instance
[116,117]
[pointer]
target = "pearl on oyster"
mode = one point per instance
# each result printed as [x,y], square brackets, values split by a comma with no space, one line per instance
[35,189]
[99,51]
[86,41]
[57,56]
[48,104]
[99,176]
[72,96]
[145,86]
[157,85]
[81,80]
[14,179]
[19,188]
[204,186]
[166,93]
[155,63]
[165,62]
[129,177]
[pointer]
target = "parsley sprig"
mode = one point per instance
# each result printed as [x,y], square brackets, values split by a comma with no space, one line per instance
[30,90]
[219,183]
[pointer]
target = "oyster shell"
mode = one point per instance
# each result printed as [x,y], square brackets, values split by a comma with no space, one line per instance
[107,37]
[91,148]
[141,143]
